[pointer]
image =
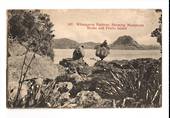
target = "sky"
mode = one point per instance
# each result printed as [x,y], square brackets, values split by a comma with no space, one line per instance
[114,21]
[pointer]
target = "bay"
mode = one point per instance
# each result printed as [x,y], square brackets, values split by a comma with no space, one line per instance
[90,57]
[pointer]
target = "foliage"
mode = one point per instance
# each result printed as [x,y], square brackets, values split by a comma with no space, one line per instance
[32,29]
[139,80]
[158,31]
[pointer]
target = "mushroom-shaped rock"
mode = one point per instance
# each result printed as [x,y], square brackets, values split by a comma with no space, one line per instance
[78,53]
[102,52]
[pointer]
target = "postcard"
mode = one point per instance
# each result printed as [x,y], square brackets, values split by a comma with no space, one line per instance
[84,58]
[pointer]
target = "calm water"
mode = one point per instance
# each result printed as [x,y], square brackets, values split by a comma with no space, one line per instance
[90,57]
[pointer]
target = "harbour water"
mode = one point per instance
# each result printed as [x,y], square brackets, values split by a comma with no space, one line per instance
[90,57]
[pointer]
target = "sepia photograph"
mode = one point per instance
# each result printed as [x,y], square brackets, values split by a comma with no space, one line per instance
[84,58]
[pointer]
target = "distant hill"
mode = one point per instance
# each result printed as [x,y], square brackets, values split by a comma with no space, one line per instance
[126,43]
[151,47]
[65,43]
[90,45]
[122,43]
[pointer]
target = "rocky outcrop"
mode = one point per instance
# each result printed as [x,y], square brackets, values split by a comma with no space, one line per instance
[76,66]
[135,83]
[88,99]
[122,83]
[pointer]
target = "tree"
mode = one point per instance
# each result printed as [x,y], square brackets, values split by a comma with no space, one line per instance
[33,30]
[158,31]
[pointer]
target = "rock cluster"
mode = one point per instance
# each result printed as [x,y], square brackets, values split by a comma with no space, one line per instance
[135,83]
[76,66]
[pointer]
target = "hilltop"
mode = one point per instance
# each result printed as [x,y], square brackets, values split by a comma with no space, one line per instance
[122,43]
[90,45]
[126,42]
[65,43]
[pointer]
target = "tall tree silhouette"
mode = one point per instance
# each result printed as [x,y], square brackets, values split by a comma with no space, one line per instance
[158,31]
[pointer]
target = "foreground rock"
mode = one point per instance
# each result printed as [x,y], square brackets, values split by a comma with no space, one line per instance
[135,83]
[88,99]
[76,66]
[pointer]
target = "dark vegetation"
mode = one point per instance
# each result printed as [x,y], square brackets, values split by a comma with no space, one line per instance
[31,29]
[158,31]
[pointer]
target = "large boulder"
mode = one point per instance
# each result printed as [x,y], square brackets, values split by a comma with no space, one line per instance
[76,66]
[88,99]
